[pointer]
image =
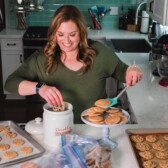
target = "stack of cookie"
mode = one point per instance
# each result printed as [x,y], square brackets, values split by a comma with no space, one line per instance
[100,115]
[151,149]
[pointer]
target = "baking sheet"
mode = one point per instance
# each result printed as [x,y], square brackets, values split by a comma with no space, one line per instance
[38,150]
[144,131]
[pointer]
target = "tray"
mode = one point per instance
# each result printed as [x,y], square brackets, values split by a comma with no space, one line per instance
[159,132]
[38,150]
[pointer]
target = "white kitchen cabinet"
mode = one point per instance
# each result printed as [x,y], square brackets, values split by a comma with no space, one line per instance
[12,58]
[158,11]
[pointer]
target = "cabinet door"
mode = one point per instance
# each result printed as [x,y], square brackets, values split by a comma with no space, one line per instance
[10,62]
[158,10]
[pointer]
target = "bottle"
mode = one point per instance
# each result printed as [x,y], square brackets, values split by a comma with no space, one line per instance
[144,23]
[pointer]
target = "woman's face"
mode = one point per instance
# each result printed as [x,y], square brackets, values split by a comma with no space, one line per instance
[68,37]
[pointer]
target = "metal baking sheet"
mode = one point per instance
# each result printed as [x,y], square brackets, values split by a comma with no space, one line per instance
[143,131]
[38,150]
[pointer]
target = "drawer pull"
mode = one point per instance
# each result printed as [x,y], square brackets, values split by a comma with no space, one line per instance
[21,58]
[11,44]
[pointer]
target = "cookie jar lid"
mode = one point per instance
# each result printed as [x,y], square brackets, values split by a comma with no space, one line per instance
[35,126]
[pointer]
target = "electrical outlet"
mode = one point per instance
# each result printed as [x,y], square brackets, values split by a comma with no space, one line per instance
[113,10]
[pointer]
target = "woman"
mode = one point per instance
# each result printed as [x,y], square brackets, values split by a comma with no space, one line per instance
[70,68]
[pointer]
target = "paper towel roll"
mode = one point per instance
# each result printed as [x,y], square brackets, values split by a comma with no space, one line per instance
[144,22]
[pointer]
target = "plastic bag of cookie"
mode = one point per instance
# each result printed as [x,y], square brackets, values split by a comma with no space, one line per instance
[85,151]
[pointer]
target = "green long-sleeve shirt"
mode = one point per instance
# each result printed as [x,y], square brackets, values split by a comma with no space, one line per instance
[80,90]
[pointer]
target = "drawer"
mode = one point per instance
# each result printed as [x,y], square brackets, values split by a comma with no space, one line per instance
[11,44]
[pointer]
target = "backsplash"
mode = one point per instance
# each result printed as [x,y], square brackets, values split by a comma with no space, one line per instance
[42,18]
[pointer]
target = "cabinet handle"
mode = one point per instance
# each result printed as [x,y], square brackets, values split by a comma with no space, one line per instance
[11,44]
[21,58]
[151,6]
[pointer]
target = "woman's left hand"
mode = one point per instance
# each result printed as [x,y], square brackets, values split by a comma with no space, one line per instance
[133,75]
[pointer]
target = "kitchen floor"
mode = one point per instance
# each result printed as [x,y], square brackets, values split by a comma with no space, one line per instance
[19,111]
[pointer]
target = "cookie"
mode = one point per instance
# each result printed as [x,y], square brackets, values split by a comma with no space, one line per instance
[151,138]
[112,120]
[96,109]
[26,150]
[137,138]
[29,165]
[150,164]
[165,137]
[4,147]
[4,129]
[10,135]
[164,164]
[96,118]
[142,146]
[17,142]
[10,154]
[147,155]
[161,155]
[102,103]
[113,110]
[159,146]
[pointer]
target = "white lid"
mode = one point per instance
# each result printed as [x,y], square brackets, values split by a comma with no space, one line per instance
[35,126]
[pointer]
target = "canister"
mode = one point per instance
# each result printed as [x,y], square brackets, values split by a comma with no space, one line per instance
[57,123]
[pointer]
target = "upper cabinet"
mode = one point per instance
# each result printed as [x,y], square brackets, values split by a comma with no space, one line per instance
[158,11]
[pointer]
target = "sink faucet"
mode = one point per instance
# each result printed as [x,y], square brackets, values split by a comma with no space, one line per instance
[137,10]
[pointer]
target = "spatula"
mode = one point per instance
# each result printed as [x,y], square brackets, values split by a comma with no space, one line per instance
[114,100]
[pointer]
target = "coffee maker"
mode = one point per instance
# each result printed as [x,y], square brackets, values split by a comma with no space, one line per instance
[160,53]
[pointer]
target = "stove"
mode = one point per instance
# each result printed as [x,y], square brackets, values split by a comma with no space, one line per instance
[35,36]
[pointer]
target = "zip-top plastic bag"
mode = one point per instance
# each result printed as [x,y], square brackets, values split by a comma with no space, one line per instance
[85,152]
[54,160]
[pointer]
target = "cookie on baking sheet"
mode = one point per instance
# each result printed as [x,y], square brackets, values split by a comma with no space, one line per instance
[112,120]
[10,135]
[29,165]
[10,154]
[137,138]
[150,164]
[165,137]
[163,164]
[142,146]
[151,138]
[26,150]
[17,142]
[161,155]
[159,146]
[102,103]
[4,129]
[4,146]
[147,155]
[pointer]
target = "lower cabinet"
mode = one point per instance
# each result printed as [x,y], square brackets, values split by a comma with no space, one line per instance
[11,59]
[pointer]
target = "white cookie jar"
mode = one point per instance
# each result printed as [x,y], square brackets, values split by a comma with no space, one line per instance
[57,123]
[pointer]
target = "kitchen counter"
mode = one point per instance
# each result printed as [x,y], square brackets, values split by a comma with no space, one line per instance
[148,100]
[11,33]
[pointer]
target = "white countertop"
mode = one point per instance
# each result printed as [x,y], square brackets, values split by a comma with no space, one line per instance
[148,100]
[11,33]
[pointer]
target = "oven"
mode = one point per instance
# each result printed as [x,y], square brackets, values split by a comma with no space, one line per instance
[34,39]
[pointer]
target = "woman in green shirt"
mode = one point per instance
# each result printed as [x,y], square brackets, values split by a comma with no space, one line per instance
[70,68]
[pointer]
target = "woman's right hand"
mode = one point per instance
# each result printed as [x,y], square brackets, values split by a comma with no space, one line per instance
[51,94]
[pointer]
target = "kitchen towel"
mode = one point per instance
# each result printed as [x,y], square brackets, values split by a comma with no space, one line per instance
[144,22]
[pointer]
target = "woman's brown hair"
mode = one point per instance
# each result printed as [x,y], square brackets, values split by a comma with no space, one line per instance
[52,51]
